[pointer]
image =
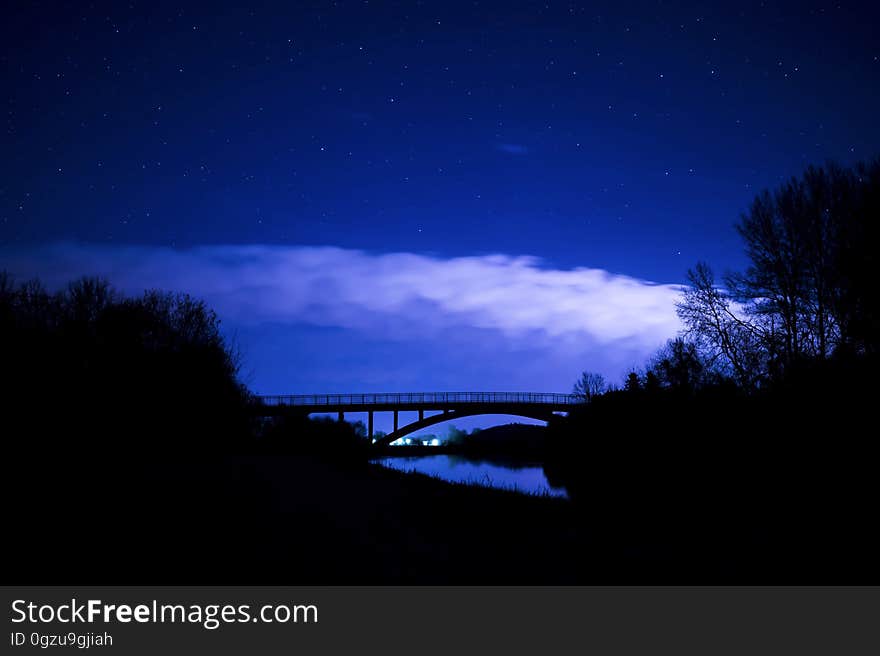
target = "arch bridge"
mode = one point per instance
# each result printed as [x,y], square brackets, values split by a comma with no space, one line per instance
[449,405]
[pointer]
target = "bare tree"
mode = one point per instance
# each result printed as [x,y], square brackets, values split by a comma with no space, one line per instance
[729,340]
[793,238]
[808,289]
[589,386]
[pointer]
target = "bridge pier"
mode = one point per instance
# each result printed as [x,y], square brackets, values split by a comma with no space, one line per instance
[341,416]
[421,415]
[370,422]
[395,421]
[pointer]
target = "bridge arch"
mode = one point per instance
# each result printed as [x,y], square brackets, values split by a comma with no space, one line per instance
[432,420]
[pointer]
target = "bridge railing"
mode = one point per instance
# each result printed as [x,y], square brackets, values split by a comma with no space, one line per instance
[421,398]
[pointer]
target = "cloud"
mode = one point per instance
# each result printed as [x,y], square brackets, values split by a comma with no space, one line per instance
[512,149]
[507,306]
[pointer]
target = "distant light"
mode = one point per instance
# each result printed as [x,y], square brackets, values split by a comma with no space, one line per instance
[435,442]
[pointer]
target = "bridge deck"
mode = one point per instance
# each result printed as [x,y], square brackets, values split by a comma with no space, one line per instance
[416,401]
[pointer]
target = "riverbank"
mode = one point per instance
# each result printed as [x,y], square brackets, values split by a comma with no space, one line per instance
[299,520]
[519,475]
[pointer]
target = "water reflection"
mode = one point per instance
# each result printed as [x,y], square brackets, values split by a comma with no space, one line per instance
[522,477]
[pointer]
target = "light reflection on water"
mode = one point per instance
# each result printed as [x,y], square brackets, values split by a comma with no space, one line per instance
[528,478]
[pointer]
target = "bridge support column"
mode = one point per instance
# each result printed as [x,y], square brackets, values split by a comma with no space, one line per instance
[370,422]
[341,416]
[395,421]
[421,415]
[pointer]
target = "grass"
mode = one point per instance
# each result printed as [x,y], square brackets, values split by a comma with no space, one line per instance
[486,482]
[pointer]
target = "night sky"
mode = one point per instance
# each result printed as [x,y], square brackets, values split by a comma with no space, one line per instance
[385,196]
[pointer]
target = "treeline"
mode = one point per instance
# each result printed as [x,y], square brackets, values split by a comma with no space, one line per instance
[343,442]
[807,297]
[89,370]
[132,445]
[809,292]
[749,433]
[88,367]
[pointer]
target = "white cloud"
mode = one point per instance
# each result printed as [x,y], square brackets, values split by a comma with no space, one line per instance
[395,295]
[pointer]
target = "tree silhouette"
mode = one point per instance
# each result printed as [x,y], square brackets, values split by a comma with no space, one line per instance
[807,292]
[589,386]
[116,371]
[652,383]
[731,342]
[633,383]
[678,366]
